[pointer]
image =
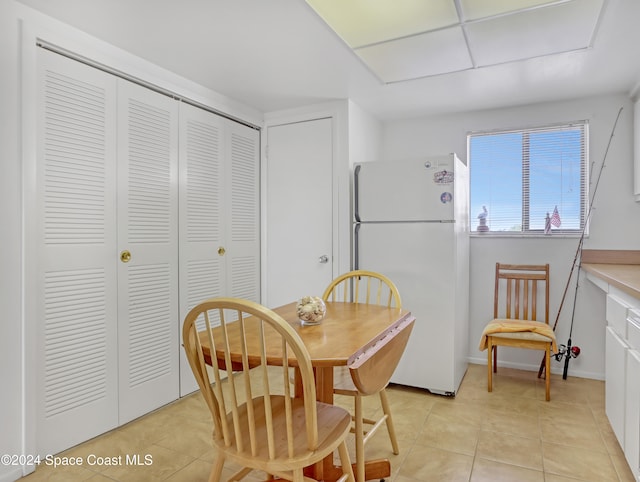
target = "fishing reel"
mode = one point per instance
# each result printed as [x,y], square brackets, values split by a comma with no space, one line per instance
[569,352]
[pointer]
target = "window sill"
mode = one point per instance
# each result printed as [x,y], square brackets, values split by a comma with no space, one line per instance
[475,234]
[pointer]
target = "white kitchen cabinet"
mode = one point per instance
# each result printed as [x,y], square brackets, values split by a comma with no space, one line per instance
[633,329]
[616,347]
[616,313]
[615,380]
[632,402]
[632,413]
[622,369]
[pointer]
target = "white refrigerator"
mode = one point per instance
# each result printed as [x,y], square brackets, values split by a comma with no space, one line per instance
[411,223]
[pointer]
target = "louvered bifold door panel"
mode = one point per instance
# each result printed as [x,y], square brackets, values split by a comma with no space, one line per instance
[243,211]
[148,318]
[74,306]
[202,268]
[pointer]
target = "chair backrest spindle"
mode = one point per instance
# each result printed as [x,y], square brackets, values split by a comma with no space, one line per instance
[243,405]
[361,286]
[522,291]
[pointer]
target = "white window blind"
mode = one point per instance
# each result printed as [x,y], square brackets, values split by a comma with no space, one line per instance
[530,181]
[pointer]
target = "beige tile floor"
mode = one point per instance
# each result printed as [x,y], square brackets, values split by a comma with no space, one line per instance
[511,434]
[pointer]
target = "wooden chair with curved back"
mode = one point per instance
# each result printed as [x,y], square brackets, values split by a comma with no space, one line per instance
[517,322]
[368,287]
[370,373]
[258,424]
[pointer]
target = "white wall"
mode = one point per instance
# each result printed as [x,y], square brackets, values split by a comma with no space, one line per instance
[615,217]
[365,135]
[10,241]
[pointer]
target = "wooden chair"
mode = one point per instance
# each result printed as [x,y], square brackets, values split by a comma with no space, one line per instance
[255,426]
[368,287]
[518,322]
[370,373]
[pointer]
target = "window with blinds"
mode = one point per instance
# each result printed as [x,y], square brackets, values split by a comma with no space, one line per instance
[529,181]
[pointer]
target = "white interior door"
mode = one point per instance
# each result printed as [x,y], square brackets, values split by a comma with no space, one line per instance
[147,229]
[299,210]
[74,218]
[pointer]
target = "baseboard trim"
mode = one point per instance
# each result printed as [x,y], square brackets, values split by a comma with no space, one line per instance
[11,475]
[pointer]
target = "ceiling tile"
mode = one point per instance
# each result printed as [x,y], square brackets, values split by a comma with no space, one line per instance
[532,33]
[409,39]
[365,22]
[475,9]
[418,56]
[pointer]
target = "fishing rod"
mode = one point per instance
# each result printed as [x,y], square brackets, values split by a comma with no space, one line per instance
[567,351]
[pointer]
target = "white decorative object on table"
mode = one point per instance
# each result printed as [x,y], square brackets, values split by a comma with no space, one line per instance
[311,310]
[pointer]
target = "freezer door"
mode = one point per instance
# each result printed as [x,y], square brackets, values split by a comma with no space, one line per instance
[420,259]
[404,191]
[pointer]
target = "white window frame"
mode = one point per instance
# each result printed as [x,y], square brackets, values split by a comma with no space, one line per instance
[525,230]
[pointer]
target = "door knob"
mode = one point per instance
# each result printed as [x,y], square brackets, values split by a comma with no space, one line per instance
[221,251]
[125,256]
[324,259]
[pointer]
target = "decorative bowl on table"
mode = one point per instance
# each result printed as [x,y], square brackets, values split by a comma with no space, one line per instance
[311,310]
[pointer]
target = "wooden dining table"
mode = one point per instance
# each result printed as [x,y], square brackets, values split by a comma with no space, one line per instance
[346,332]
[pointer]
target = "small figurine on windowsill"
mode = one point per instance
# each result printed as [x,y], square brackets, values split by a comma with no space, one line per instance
[482,217]
[547,224]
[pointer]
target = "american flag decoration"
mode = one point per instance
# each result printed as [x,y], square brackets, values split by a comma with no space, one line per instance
[555,218]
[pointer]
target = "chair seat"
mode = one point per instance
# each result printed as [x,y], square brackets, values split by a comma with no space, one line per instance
[521,330]
[333,422]
[523,335]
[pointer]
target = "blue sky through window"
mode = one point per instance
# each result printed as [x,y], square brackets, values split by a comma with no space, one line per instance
[513,172]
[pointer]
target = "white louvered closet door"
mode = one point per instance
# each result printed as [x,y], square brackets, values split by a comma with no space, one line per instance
[219,214]
[74,307]
[243,211]
[202,269]
[148,231]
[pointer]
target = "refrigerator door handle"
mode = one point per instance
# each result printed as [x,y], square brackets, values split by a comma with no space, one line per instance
[356,176]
